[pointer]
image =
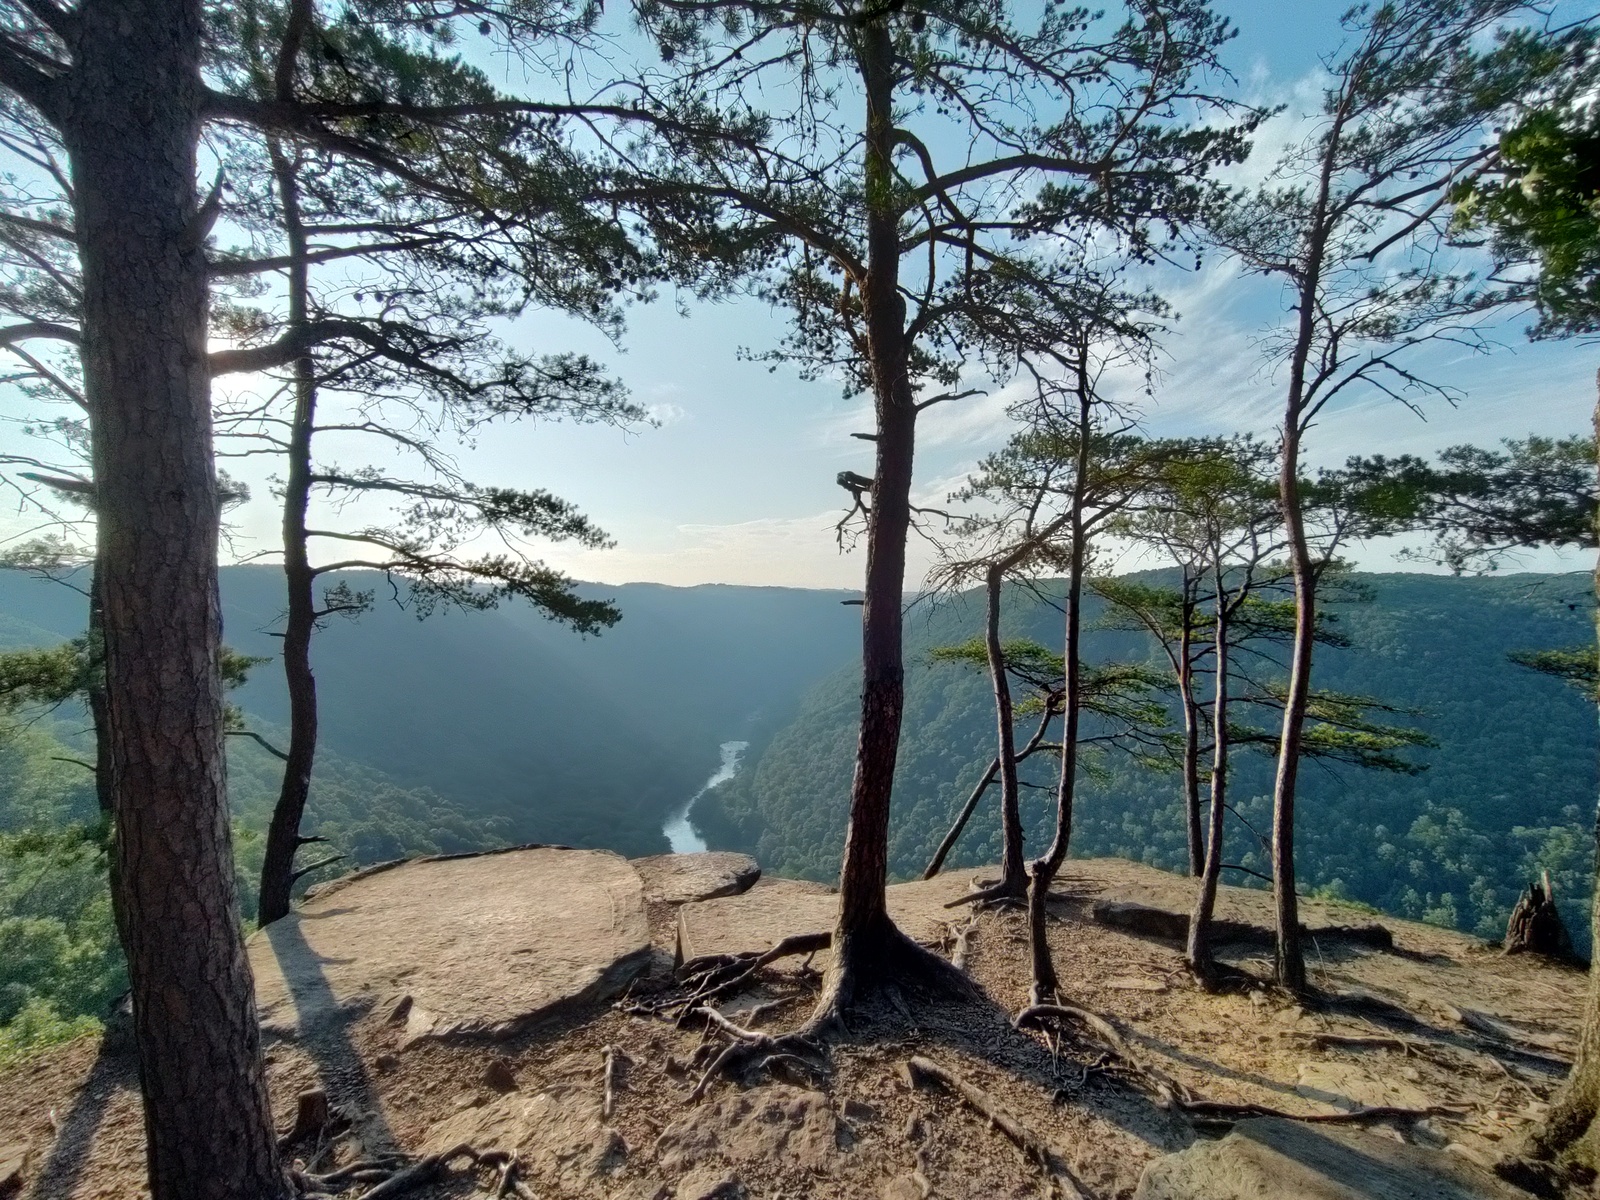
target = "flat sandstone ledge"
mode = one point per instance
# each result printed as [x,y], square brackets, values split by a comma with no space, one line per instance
[684,878]
[463,946]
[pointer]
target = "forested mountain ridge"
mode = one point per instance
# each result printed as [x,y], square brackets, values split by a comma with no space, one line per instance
[506,717]
[1508,790]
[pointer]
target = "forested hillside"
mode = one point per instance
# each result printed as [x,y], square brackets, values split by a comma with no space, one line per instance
[548,736]
[1508,790]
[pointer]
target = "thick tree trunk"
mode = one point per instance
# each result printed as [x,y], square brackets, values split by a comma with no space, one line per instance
[283,834]
[1191,740]
[1042,872]
[131,123]
[1013,869]
[1198,953]
[1290,956]
[1570,1127]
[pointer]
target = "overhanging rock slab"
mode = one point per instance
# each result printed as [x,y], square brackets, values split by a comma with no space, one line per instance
[775,908]
[683,878]
[467,946]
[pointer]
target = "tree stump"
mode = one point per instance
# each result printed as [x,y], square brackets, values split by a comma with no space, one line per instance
[1535,926]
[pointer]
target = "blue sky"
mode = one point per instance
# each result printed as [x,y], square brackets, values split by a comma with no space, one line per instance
[735,485]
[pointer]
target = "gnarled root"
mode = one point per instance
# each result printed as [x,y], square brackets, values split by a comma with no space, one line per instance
[390,1182]
[1000,894]
[921,1071]
[745,1045]
[1172,1094]
[712,977]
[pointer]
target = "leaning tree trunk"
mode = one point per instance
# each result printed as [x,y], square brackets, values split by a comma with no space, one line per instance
[1198,952]
[1570,1127]
[1043,871]
[1013,870]
[283,834]
[1191,739]
[131,124]
[1290,956]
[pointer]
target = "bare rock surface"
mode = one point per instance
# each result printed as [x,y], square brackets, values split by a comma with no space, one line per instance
[683,878]
[775,908]
[557,1133]
[763,1126]
[471,946]
[1270,1159]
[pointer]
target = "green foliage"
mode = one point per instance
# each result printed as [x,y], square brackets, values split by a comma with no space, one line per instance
[1504,793]
[1482,506]
[1577,666]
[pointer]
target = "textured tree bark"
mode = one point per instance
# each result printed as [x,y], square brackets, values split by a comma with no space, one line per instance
[130,117]
[1013,870]
[99,706]
[1198,952]
[283,834]
[1042,872]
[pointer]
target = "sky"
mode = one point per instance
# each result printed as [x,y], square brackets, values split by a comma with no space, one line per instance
[735,483]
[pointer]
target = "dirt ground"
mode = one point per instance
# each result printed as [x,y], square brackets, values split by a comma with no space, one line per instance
[1441,1021]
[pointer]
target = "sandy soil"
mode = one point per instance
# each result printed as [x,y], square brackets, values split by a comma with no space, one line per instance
[1455,1025]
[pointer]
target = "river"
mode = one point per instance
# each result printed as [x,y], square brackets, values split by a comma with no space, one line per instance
[680,834]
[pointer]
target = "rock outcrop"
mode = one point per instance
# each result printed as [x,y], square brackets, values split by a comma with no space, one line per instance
[473,946]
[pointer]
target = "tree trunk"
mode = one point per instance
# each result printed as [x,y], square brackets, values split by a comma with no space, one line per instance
[131,123]
[99,706]
[1570,1126]
[1013,870]
[1290,956]
[864,929]
[937,863]
[1199,955]
[1191,737]
[283,835]
[1043,871]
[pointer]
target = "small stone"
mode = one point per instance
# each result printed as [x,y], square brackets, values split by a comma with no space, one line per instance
[859,1110]
[13,1159]
[709,1184]
[611,1155]
[400,1011]
[498,1076]
[468,1100]
[916,1129]
[901,1187]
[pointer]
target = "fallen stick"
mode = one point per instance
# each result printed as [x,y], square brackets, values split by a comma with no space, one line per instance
[919,1071]
[963,938]
[608,1100]
[1217,1110]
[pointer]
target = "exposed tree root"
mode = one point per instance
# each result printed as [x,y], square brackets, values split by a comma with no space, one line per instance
[391,1182]
[712,977]
[995,895]
[921,1071]
[1173,1094]
[873,972]
[746,1044]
